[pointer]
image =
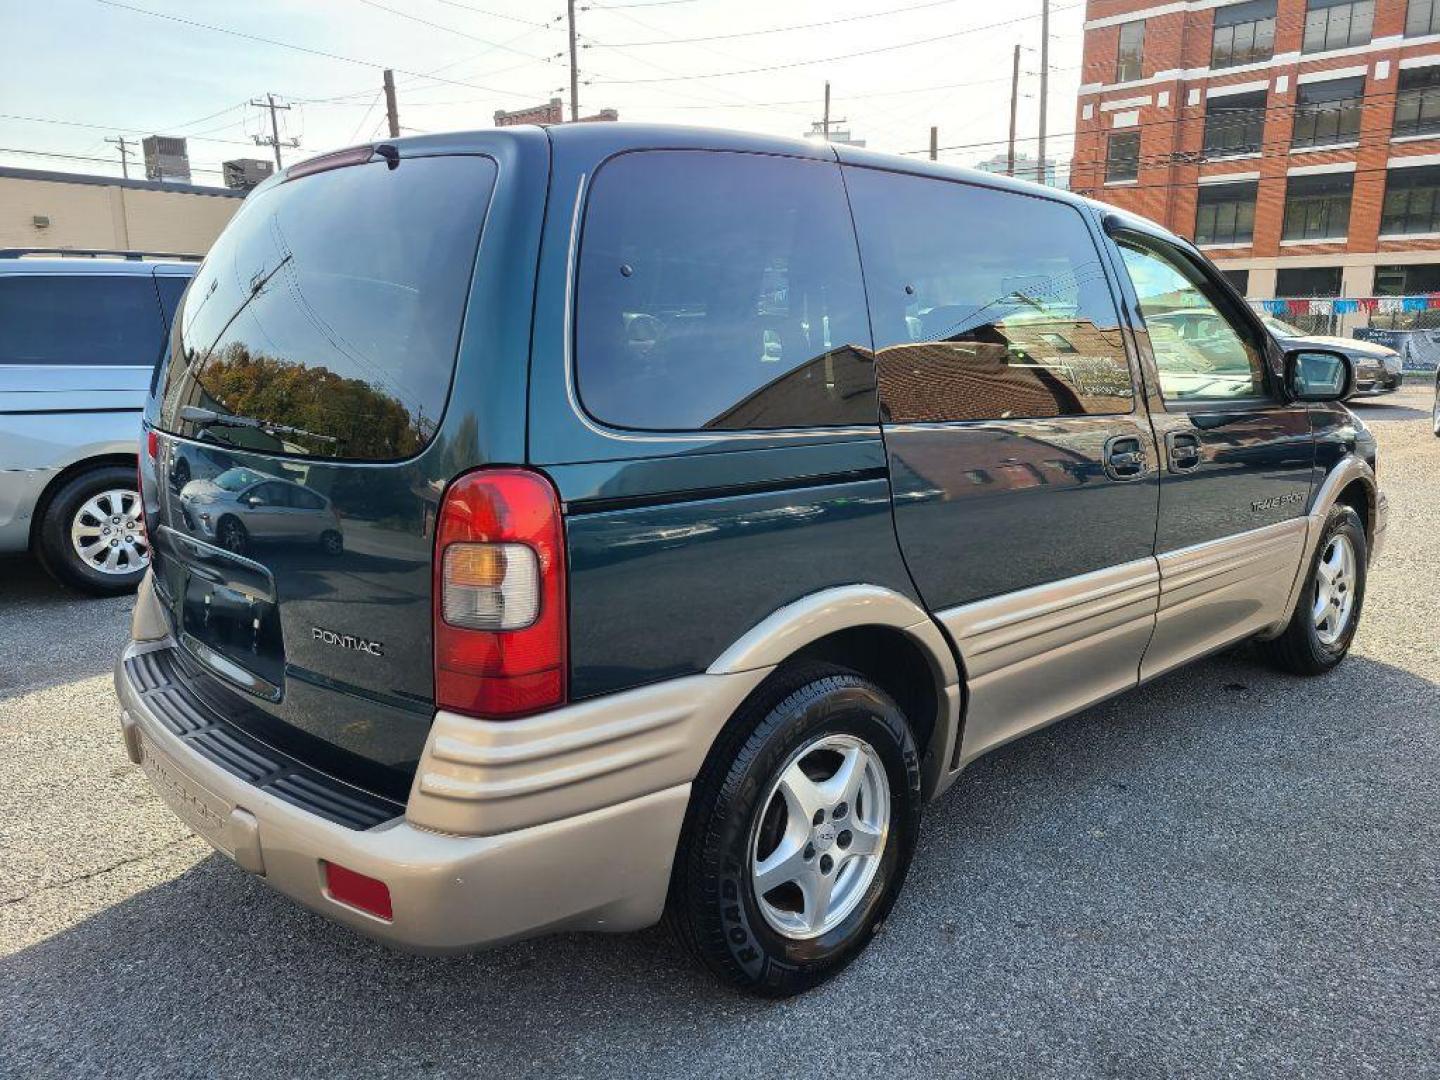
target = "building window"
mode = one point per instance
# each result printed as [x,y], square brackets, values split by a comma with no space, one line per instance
[1234,124]
[1318,207]
[1337,24]
[1422,17]
[1328,112]
[1244,34]
[1122,157]
[1239,280]
[1226,214]
[1132,44]
[1416,280]
[1417,105]
[1308,281]
[1412,201]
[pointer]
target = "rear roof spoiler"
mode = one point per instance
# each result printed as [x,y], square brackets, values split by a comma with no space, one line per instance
[99,253]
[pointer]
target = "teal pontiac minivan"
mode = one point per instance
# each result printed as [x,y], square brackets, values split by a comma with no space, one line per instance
[556,529]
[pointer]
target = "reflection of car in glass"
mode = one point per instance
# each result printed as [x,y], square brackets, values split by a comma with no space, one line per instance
[778,482]
[1378,370]
[241,506]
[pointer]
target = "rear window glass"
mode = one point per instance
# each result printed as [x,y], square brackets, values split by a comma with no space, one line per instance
[54,319]
[326,319]
[721,290]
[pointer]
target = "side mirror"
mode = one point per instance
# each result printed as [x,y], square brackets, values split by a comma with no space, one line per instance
[253,501]
[1318,375]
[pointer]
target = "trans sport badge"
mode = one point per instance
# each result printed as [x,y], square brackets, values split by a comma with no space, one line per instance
[347,641]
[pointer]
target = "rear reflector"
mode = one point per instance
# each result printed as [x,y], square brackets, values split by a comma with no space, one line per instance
[500,622]
[358,891]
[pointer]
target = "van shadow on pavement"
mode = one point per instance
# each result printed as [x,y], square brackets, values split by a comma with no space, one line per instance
[1228,869]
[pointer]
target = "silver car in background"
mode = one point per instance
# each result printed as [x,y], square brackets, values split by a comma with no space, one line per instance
[80,333]
[1378,369]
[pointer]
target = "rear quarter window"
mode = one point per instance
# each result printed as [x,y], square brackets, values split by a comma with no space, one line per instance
[330,310]
[721,291]
[53,319]
[986,304]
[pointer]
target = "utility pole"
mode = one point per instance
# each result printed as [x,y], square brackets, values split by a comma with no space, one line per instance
[1044,83]
[934,143]
[1014,104]
[574,70]
[274,139]
[825,122]
[124,146]
[391,112]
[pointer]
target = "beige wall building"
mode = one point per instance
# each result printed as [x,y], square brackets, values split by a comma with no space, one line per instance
[68,210]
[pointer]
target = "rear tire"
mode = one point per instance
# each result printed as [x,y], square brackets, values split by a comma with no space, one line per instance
[91,535]
[838,866]
[1327,613]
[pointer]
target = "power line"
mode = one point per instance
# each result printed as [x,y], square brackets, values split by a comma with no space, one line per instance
[653,4]
[79,157]
[883,93]
[112,127]
[778,29]
[456,31]
[496,14]
[1367,102]
[308,50]
[829,59]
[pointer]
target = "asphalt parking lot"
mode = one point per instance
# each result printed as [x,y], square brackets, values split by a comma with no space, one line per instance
[1227,872]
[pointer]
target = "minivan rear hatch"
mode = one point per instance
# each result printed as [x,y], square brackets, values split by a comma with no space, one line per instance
[293,467]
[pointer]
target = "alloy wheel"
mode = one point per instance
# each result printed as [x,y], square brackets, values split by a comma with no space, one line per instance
[820,835]
[1334,590]
[108,533]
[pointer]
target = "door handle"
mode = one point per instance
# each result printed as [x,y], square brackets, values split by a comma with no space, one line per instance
[1183,450]
[1125,458]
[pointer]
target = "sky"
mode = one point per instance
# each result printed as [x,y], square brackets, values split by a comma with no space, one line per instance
[76,72]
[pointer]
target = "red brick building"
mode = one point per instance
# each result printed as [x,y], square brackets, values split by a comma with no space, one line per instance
[1297,141]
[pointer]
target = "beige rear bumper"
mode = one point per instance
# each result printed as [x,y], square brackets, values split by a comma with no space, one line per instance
[607,868]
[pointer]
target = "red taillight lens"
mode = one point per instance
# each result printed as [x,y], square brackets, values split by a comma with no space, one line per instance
[152,444]
[369,894]
[500,595]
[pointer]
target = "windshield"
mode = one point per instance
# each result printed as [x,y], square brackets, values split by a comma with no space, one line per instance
[329,312]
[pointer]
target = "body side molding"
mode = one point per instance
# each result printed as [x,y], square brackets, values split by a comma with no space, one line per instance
[1037,655]
[1218,592]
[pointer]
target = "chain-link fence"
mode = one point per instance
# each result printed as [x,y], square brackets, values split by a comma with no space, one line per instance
[1408,324]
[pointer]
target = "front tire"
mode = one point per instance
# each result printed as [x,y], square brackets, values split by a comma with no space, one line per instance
[799,834]
[91,535]
[1327,614]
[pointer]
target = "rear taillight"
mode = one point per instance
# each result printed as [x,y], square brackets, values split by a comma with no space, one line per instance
[500,595]
[151,442]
